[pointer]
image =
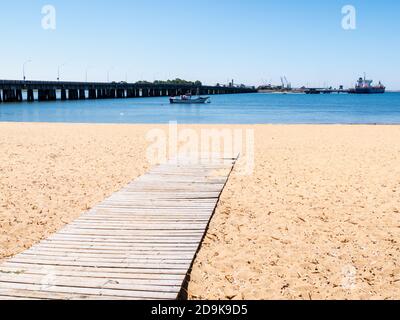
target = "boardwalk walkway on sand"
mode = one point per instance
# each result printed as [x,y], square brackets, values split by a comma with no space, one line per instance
[137,244]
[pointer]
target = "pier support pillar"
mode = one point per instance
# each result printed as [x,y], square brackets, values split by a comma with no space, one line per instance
[120,93]
[145,92]
[29,96]
[131,93]
[73,94]
[51,95]
[42,95]
[18,95]
[92,94]
[63,94]
[82,94]
[1,95]
[13,96]
[110,93]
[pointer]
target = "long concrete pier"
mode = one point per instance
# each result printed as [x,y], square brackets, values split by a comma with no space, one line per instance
[18,91]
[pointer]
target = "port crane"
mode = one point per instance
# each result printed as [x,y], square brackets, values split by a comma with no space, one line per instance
[289,85]
[285,83]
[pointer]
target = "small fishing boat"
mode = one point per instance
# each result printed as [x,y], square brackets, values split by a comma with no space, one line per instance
[186,99]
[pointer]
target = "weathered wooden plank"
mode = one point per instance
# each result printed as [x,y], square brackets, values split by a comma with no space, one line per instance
[139,238]
[141,225]
[119,256]
[150,245]
[128,243]
[112,221]
[113,273]
[10,294]
[90,291]
[125,260]
[146,281]
[181,267]
[99,228]
[11,298]
[23,294]
[83,282]
[116,251]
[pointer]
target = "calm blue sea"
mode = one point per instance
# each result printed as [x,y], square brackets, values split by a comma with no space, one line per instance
[231,109]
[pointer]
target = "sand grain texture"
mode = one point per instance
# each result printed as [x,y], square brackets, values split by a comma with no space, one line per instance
[318,219]
[50,174]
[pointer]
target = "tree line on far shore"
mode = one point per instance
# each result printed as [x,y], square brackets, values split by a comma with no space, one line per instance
[175,82]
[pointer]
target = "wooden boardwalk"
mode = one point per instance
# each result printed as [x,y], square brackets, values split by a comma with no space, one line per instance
[137,244]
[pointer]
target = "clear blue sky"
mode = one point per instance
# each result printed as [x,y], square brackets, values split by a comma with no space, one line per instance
[211,40]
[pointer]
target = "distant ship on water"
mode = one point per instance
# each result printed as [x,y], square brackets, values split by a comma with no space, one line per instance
[365,86]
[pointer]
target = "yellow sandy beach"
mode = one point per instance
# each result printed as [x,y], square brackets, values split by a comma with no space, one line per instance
[318,219]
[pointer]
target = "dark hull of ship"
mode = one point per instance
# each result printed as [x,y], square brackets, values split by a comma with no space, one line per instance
[368,90]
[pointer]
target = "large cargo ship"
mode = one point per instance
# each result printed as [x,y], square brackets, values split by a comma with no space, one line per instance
[364,86]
